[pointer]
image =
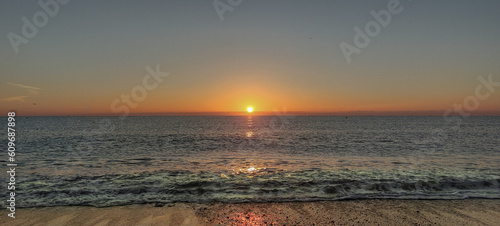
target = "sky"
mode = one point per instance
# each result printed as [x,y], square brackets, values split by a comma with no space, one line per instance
[216,57]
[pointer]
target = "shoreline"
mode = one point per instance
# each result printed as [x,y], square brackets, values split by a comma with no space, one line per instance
[368,211]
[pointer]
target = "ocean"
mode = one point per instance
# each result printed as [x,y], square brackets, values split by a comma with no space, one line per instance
[110,161]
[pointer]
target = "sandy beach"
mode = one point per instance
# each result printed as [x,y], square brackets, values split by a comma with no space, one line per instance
[359,212]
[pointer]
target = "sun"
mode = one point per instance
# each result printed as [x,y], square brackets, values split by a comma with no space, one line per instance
[249,109]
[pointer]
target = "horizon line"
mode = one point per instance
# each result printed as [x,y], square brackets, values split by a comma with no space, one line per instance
[279,113]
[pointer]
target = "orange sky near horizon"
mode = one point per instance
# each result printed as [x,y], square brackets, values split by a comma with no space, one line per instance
[233,99]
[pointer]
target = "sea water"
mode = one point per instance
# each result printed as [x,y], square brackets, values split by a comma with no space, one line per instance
[108,161]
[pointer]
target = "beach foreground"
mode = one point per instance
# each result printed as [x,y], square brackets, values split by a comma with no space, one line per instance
[371,212]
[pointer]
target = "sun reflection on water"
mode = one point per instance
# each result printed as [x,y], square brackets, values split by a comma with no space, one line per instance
[249,134]
[250,171]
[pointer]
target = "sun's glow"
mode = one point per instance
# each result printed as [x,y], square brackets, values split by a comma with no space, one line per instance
[251,169]
[249,109]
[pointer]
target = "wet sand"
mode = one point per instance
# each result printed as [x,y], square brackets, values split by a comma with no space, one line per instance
[359,212]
